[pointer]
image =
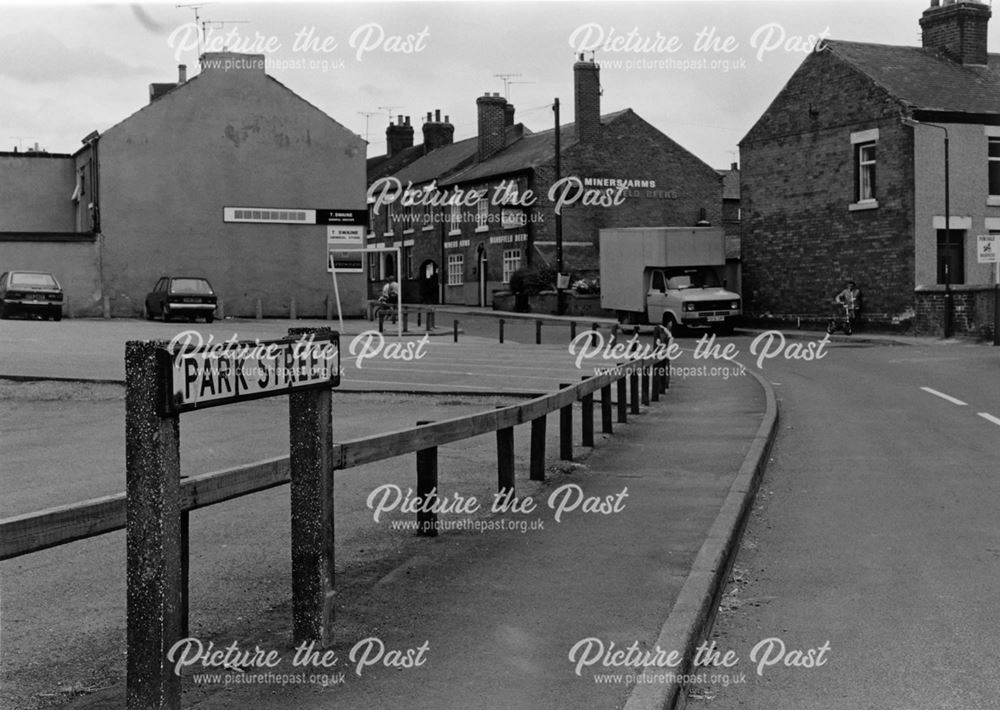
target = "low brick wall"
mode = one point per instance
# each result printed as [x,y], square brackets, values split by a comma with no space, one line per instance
[972,310]
[545,303]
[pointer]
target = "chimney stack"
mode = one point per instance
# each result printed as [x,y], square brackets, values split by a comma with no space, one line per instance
[398,137]
[492,115]
[956,29]
[436,132]
[587,100]
[508,115]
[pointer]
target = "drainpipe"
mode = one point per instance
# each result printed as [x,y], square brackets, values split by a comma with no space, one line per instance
[93,139]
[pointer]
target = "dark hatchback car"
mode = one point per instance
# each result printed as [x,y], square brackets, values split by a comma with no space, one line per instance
[30,293]
[181,297]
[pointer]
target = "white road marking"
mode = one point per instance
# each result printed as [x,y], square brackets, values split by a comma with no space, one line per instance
[944,396]
[990,418]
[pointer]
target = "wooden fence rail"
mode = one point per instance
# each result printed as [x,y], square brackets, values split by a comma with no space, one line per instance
[33,532]
[161,529]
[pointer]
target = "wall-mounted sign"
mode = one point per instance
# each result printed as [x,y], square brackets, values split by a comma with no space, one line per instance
[642,188]
[988,248]
[293,215]
[509,238]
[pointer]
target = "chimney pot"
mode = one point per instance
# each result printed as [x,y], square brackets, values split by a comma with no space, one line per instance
[437,134]
[508,115]
[182,73]
[398,137]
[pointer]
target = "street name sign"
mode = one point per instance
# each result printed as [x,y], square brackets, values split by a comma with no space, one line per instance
[235,371]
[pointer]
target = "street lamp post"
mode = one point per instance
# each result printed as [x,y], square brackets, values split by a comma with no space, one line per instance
[912,122]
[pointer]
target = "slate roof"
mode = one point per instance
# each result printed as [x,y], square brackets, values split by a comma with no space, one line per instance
[531,151]
[382,165]
[440,161]
[924,79]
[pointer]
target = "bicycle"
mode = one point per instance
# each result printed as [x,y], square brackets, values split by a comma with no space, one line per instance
[845,323]
[386,310]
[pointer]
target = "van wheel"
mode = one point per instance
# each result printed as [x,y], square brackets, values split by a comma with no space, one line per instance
[670,323]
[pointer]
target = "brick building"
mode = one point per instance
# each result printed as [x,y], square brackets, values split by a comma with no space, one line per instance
[227,175]
[843,178]
[474,248]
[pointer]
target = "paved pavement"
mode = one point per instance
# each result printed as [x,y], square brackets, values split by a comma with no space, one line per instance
[498,612]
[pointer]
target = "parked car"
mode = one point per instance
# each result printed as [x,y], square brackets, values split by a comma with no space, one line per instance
[30,293]
[181,297]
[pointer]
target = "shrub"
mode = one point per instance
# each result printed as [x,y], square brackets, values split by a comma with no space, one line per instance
[530,281]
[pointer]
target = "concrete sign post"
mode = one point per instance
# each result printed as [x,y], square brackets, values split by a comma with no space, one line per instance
[161,382]
[310,422]
[153,532]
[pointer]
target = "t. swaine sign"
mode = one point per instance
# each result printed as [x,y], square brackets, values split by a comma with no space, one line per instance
[207,375]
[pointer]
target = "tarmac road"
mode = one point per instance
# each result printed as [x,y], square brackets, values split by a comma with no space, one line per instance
[876,533]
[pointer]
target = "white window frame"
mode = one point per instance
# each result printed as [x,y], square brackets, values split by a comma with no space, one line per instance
[511,263]
[456,269]
[482,215]
[454,219]
[860,141]
[388,220]
[992,135]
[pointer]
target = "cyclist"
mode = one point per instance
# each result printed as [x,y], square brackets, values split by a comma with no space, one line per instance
[851,297]
[388,300]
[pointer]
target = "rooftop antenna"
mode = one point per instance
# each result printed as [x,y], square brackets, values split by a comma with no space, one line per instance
[218,25]
[507,80]
[367,115]
[200,27]
[388,110]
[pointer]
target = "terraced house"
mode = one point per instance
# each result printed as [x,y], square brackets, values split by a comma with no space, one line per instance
[844,176]
[617,171]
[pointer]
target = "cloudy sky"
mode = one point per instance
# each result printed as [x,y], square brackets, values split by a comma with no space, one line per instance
[701,71]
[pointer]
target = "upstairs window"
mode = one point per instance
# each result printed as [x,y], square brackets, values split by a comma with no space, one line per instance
[864,144]
[865,172]
[482,214]
[994,166]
